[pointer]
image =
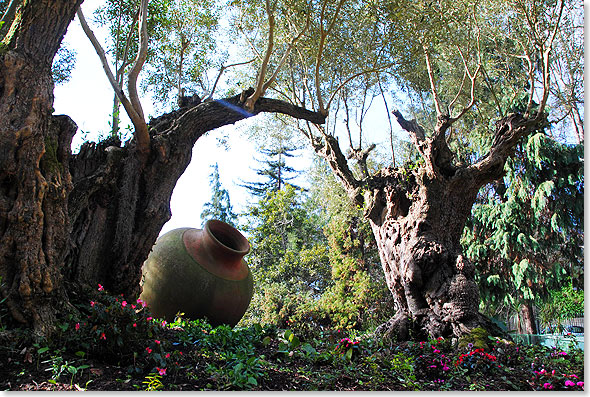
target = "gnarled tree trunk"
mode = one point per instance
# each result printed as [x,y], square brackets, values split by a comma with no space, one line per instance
[418,217]
[34,176]
[70,220]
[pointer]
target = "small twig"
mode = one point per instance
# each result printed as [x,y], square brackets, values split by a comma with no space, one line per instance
[223,68]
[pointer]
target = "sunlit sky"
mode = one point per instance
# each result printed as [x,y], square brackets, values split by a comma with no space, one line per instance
[87,98]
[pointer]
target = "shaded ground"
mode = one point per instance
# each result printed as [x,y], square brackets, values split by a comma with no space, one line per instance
[111,344]
[273,365]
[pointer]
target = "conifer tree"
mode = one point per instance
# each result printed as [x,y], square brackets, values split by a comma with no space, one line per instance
[274,170]
[526,239]
[219,207]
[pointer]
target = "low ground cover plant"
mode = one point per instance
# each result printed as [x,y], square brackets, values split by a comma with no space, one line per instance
[114,344]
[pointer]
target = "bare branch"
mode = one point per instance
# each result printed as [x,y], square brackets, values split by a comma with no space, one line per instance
[390,123]
[141,131]
[7,17]
[545,58]
[223,68]
[431,79]
[262,72]
[285,55]
[101,54]
[412,127]
[139,60]
[354,76]
[323,35]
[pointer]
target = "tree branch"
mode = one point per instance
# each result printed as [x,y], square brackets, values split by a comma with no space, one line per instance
[8,17]
[431,79]
[141,131]
[250,101]
[223,68]
[323,35]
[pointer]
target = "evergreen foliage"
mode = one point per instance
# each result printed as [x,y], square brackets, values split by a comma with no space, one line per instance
[527,238]
[219,207]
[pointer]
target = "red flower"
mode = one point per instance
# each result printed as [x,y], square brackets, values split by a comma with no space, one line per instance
[103,336]
[77,326]
[161,371]
[100,287]
[147,349]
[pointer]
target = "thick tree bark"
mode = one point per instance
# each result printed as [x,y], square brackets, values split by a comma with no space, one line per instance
[528,317]
[34,176]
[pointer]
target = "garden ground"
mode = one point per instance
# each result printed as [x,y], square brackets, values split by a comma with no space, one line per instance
[111,344]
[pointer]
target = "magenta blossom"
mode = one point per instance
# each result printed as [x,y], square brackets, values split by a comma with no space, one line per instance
[569,383]
[161,371]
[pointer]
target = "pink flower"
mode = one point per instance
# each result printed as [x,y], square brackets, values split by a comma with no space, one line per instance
[548,386]
[148,319]
[161,371]
[124,303]
[581,384]
[103,336]
[100,287]
[134,325]
[142,303]
[77,326]
[133,306]
[157,341]
[167,355]
[92,303]
[147,349]
[569,383]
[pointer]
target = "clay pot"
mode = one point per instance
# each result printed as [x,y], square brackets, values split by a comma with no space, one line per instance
[199,272]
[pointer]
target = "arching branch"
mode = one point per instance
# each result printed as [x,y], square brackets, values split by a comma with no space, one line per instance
[135,113]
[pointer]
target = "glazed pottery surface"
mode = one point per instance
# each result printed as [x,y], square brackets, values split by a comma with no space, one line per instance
[199,272]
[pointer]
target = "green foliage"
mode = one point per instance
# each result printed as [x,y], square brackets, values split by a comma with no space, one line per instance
[528,239]
[358,297]
[153,382]
[219,207]
[179,59]
[288,257]
[562,304]
[315,262]
[275,172]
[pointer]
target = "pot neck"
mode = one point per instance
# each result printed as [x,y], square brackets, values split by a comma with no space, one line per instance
[224,241]
[219,248]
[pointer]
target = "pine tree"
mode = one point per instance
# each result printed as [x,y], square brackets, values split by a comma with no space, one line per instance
[219,207]
[274,170]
